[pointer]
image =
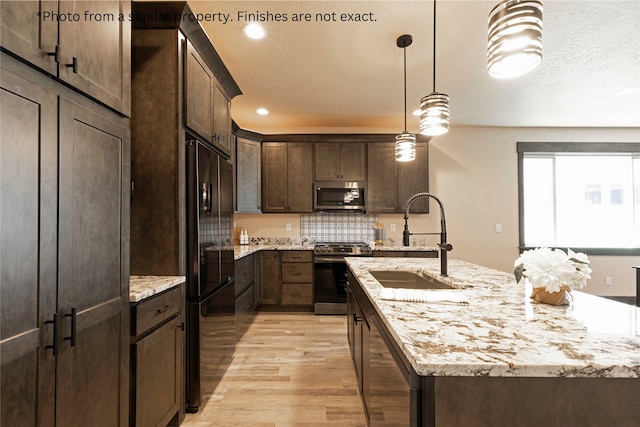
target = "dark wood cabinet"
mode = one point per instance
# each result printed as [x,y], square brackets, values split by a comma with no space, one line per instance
[91,53]
[65,269]
[285,280]
[159,129]
[207,107]
[391,183]
[245,286]
[389,388]
[297,278]
[248,175]
[340,161]
[157,354]
[287,177]
[269,283]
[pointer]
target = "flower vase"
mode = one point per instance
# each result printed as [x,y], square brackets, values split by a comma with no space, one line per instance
[562,297]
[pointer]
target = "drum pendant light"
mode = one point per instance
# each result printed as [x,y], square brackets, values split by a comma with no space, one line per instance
[515,38]
[434,108]
[405,146]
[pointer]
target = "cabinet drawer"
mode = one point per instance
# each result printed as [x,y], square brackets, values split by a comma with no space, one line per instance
[156,309]
[390,254]
[297,294]
[297,256]
[297,272]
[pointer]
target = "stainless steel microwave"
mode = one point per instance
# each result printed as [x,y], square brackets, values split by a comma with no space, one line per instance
[328,195]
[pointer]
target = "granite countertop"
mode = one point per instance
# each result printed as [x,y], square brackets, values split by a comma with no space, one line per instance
[143,287]
[502,332]
[240,251]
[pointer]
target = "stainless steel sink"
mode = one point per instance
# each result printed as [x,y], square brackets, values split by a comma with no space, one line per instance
[407,280]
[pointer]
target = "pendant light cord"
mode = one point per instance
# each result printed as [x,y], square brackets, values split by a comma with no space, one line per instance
[404,50]
[434,45]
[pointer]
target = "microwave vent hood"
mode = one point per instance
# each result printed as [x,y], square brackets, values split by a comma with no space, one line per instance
[348,195]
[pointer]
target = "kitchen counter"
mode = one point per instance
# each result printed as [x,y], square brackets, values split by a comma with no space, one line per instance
[245,250]
[501,332]
[143,287]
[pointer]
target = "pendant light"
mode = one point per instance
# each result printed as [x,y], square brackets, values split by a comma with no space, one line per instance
[515,38]
[434,108]
[405,146]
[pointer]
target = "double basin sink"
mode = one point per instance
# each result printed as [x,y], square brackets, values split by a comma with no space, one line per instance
[402,279]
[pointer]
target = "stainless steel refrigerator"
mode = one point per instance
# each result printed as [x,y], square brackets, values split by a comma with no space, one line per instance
[210,277]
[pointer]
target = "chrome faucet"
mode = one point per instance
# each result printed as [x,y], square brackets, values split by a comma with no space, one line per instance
[443,245]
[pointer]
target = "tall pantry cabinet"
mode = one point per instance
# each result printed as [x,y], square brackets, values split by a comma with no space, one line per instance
[64,223]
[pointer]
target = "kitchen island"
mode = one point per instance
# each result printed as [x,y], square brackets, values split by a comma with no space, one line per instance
[501,359]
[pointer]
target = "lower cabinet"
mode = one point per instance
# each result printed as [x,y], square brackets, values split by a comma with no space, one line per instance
[388,386]
[245,290]
[157,360]
[285,280]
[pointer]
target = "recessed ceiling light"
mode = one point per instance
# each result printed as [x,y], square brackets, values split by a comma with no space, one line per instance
[262,111]
[254,31]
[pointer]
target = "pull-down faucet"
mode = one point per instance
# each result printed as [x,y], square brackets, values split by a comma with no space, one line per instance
[444,246]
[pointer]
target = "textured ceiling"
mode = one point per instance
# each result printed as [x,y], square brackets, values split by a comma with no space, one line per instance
[348,76]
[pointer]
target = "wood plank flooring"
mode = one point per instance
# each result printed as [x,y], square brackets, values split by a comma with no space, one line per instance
[289,370]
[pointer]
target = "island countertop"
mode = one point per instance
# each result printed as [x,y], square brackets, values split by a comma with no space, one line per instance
[502,332]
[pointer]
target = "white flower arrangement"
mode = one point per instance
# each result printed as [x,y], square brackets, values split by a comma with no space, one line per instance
[553,269]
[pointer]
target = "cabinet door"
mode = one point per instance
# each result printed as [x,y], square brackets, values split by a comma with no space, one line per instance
[221,120]
[327,166]
[353,161]
[269,283]
[93,270]
[413,177]
[158,375]
[198,93]
[300,177]
[274,177]
[28,188]
[27,34]
[95,52]
[382,179]
[248,178]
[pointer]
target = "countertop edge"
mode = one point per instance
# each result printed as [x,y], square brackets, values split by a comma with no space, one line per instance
[143,287]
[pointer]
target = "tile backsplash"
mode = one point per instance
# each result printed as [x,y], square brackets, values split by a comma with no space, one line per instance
[337,226]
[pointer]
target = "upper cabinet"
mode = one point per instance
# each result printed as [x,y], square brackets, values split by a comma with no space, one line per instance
[248,176]
[286,177]
[391,183]
[207,106]
[340,161]
[89,49]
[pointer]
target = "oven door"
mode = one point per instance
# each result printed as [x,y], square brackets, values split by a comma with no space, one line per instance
[330,285]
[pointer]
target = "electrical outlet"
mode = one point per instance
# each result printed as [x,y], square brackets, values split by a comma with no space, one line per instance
[608,281]
[392,227]
[498,228]
[287,226]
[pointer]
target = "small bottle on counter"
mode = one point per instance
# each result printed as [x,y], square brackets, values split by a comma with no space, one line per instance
[244,237]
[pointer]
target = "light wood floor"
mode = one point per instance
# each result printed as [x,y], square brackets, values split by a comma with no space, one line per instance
[289,370]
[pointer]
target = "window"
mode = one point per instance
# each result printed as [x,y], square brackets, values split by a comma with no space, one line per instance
[584,196]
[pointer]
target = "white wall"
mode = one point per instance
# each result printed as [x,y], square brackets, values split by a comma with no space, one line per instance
[473,170]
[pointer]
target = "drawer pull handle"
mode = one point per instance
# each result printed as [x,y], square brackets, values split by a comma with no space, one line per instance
[55,53]
[72,337]
[55,322]
[163,309]
[73,65]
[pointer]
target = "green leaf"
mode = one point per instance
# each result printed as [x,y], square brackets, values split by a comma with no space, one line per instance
[519,272]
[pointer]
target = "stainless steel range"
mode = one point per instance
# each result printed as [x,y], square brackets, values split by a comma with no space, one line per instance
[330,274]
